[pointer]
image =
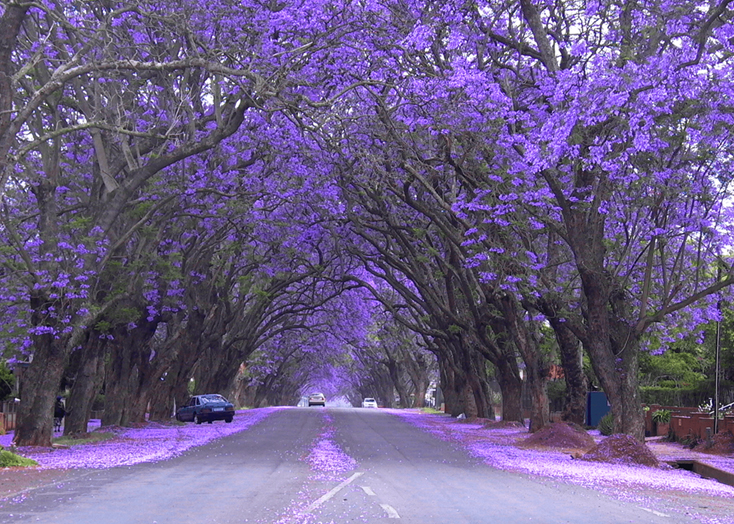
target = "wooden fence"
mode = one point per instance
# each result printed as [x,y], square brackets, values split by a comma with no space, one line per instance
[7,415]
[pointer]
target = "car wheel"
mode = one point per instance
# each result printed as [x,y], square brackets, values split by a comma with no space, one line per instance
[228,420]
[210,421]
[197,418]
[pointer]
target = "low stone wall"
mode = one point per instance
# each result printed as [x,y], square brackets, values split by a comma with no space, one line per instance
[698,426]
[688,423]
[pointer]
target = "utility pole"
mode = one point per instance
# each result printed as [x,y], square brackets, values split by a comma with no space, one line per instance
[718,360]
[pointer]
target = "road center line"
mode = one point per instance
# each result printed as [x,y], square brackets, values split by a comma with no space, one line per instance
[315,504]
[391,513]
[368,490]
[657,513]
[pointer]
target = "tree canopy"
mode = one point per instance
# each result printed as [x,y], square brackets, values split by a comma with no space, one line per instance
[240,191]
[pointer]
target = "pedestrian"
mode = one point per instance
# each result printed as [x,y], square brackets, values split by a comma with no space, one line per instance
[59,413]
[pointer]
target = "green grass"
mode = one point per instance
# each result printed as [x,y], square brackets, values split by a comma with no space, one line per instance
[9,460]
[84,438]
[432,411]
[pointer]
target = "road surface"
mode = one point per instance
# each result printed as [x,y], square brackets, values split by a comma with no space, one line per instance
[394,472]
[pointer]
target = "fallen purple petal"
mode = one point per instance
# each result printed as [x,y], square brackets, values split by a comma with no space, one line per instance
[496,448]
[136,445]
[326,456]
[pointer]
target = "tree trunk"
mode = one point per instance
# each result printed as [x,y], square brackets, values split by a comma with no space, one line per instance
[469,401]
[87,383]
[11,22]
[453,388]
[614,352]
[163,398]
[38,390]
[607,329]
[130,375]
[508,378]
[421,388]
[117,374]
[476,376]
[260,396]
[540,405]
[393,368]
[525,336]
[573,372]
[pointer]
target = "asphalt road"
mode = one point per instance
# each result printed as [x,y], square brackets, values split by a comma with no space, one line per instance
[261,476]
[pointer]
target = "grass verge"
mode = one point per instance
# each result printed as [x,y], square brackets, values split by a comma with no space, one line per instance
[84,438]
[9,460]
[432,411]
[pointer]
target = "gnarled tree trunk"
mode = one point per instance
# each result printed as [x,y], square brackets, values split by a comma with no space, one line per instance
[38,388]
[87,383]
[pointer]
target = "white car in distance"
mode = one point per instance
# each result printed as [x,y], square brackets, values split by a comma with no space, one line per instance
[369,403]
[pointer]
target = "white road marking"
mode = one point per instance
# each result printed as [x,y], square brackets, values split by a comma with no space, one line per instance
[315,504]
[368,490]
[391,513]
[655,512]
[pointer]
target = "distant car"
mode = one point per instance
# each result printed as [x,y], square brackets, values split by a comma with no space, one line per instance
[206,408]
[317,399]
[369,403]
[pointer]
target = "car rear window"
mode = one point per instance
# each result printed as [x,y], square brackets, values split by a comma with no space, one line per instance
[213,398]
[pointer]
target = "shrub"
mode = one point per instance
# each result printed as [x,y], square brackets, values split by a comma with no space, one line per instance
[9,460]
[687,396]
[661,416]
[98,404]
[606,424]
[7,382]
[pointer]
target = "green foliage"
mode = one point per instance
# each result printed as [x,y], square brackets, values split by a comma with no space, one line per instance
[606,424]
[84,438]
[98,403]
[116,317]
[141,208]
[103,326]
[432,411]
[661,416]
[682,365]
[687,396]
[556,392]
[11,460]
[7,381]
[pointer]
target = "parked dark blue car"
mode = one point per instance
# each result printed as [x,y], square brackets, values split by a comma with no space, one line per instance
[206,408]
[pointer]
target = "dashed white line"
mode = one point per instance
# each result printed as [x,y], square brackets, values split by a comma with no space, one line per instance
[368,490]
[315,504]
[655,512]
[391,513]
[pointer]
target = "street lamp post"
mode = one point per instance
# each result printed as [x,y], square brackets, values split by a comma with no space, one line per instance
[717,360]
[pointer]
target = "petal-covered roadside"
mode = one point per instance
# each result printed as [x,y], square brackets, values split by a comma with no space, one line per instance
[496,447]
[670,490]
[135,445]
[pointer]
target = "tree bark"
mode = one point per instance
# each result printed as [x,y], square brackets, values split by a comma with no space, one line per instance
[454,388]
[508,377]
[573,372]
[394,370]
[521,331]
[38,389]
[128,376]
[10,25]
[87,383]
